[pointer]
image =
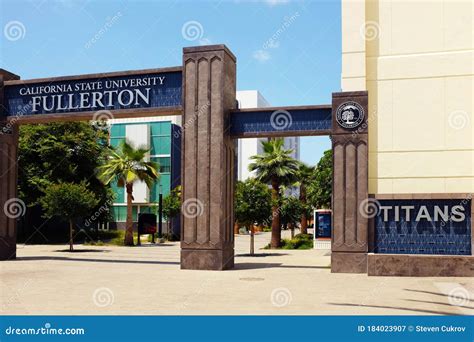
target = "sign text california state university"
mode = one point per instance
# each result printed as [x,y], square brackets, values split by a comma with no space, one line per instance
[93,94]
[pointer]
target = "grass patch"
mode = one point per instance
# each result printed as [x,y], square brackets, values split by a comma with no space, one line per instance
[300,241]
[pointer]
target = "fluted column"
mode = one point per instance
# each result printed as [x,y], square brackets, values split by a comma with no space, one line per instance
[11,208]
[350,183]
[209,93]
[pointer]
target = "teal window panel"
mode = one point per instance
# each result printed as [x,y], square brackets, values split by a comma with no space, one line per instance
[161,145]
[164,181]
[148,210]
[119,192]
[117,131]
[115,142]
[119,213]
[160,128]
[164,164]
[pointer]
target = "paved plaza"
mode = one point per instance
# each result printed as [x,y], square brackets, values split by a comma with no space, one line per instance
[45,279]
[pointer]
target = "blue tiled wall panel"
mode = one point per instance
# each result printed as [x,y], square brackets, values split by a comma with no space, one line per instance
[423,237]
[300,120]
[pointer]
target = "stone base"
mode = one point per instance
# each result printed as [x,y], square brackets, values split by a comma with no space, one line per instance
[420,265]
[207,259]
[7,248]
[342,262]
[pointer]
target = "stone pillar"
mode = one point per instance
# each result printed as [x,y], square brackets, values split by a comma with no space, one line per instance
[350,182]
[209,93]
[10,207]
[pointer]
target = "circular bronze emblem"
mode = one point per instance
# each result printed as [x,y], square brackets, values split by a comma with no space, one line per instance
[350,115]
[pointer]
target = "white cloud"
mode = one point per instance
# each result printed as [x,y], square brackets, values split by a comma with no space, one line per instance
[276,2]
[261,55]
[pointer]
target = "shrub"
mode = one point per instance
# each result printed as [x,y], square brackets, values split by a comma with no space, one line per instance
[300,241]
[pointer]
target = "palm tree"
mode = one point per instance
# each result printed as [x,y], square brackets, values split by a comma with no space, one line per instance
[277,167]
[126,166]
[305,174]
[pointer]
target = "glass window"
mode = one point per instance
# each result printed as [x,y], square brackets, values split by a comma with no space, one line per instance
[160,128]
[117,131]
[119,192]
[164,163]
[115,142]
[160,145]
[119,213]
[164,181]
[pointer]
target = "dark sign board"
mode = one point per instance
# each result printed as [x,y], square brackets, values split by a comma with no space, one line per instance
[151,90]
[423,227]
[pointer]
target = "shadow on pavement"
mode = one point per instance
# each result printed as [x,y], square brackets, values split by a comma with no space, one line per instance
[256,255]
[254,265]
[83,251]
[435,293]
[440,303]
[397,308]
[113,261]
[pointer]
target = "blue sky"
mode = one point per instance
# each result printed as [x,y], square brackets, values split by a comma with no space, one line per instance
[289,51]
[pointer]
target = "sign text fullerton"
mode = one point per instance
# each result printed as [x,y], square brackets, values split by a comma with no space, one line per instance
[93,94]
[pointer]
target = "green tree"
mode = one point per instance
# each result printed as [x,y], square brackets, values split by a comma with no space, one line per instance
[276,167]
[172,207]
[305,178]
[291,210]
[252,206]
[60,152]
[320,189]
[69,202]
[126,166]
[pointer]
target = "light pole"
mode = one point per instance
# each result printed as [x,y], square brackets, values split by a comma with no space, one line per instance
[160,212]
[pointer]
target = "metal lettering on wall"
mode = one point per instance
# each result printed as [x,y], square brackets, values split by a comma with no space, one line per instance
[423,227]
[93,94]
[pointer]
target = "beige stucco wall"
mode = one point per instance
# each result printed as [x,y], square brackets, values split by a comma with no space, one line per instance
[416,59]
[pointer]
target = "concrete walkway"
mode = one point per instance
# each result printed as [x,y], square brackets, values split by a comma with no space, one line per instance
[147,280]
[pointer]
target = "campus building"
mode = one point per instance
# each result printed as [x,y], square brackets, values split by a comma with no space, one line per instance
[162,135]
[415,59]
[252,146]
